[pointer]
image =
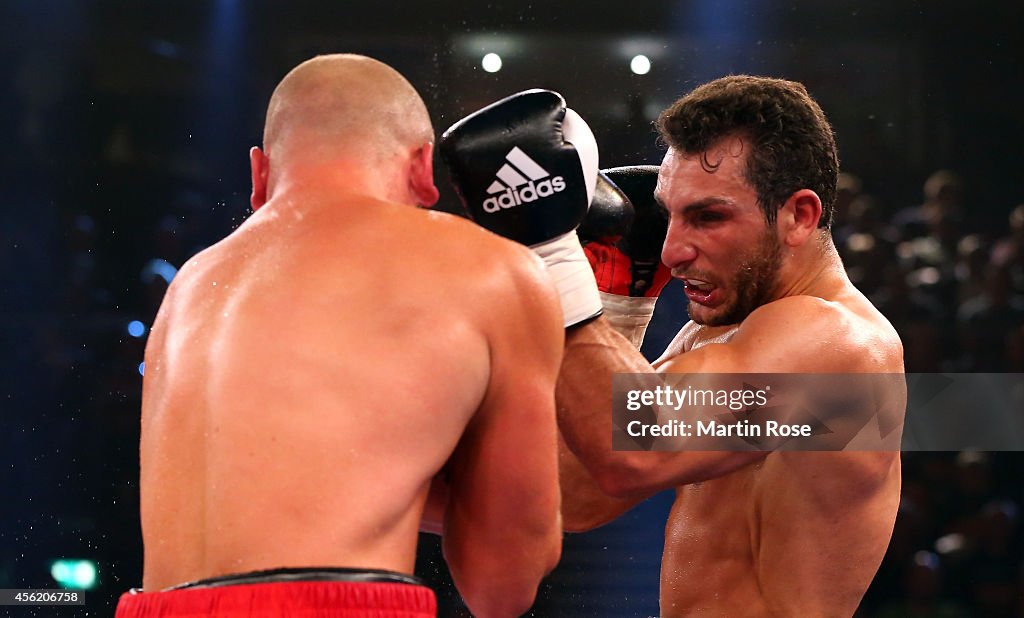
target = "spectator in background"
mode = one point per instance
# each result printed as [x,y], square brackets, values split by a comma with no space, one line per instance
[986,321]
[1009,250]
[932,260]
[972,261]
[943,194]
[903,304]
[848,188]
[867,248]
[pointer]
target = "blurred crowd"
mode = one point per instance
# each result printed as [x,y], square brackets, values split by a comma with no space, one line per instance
[954,289]
[952,286]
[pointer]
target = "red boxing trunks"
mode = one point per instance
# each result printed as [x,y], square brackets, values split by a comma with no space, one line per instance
[311,593]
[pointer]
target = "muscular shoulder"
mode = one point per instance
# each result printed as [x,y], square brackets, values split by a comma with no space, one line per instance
[800,318]
[811,334]
[193,273]
[511,280]
[451,252]
[509,265]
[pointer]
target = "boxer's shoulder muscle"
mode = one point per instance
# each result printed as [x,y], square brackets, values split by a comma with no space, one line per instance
[497,270]
[784,336]
[815,335]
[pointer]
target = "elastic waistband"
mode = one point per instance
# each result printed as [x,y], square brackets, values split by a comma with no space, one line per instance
[306,574]
[316,592]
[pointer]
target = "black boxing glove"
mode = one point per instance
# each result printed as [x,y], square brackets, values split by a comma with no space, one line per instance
[622,236]
[526,168]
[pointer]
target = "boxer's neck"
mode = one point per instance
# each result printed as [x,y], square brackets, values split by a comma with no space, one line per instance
[342,177]
[814,269]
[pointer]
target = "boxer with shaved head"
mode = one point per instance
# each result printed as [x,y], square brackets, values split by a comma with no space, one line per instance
[310,375]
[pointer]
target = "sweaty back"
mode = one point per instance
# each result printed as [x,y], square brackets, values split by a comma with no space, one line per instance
[289,364]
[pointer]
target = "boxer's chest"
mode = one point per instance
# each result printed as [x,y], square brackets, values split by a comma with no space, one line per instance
[705,335]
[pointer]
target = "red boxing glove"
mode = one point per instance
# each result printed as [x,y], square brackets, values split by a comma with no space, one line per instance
[622,237]
[624,231]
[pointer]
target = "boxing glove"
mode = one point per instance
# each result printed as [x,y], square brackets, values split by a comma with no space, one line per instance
[622,235]
[525,167]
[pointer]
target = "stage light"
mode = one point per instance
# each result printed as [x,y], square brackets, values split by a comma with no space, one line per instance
[75,574]
[136,328]
[491,62]
[640,64]
[158,268]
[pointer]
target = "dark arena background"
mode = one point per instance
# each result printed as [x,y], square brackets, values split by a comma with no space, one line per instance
[126,127]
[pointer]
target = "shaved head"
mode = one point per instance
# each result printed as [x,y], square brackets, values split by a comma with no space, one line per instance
[344,105]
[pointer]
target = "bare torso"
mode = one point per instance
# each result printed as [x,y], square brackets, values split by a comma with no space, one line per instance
[797,533]
[287,367]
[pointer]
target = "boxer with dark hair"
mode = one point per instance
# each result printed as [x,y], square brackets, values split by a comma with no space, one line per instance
[747,187]
[309,376]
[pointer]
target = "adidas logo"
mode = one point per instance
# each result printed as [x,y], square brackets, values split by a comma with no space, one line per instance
[520,180]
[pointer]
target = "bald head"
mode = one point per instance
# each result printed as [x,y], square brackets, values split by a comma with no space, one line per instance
[344,105]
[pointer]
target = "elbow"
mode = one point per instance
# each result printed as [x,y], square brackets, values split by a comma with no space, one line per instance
[500,605]
[581,522]
[619,486]
[506,585]
[554,554]
[626,476]
[548,553]
[584,516]
[508,607]
[501,597]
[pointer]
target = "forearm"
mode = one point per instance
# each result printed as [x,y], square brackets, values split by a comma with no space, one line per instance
[497,574]
[594,353]
[584,505]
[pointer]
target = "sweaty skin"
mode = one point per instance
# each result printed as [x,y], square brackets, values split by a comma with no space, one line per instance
[311,374]
[749,534]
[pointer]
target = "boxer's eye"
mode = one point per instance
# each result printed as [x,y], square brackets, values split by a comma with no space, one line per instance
[708,216]
[661,207]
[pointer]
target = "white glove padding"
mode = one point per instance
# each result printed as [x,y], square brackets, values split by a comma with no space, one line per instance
[629,315]
[570,270]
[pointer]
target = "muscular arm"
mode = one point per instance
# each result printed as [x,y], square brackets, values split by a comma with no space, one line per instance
[594,352]
[584,505]
[502,530]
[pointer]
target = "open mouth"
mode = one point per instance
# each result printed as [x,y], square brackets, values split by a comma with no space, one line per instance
[699,291]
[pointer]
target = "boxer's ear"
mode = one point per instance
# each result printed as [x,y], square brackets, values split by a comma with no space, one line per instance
[421,176]
[260,166]
[798,218]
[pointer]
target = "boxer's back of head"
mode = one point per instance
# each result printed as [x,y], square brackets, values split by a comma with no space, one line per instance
[344,106]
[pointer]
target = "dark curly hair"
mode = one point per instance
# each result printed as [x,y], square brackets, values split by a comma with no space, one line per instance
[793,144]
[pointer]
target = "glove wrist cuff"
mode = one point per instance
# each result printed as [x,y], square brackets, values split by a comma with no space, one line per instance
[629,315]
[570,270]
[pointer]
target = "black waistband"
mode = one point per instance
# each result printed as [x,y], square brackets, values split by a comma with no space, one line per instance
[305,574]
